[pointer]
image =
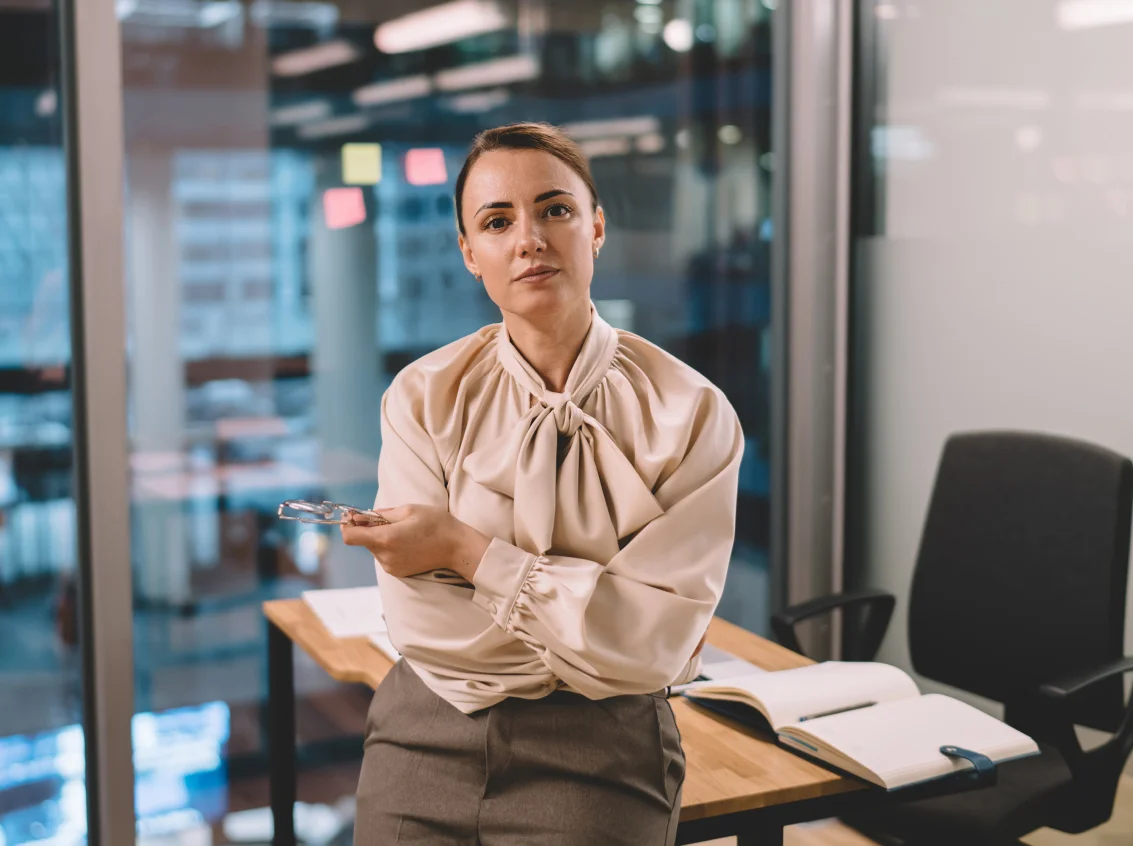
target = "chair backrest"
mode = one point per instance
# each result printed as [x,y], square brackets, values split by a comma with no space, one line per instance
[1022,569]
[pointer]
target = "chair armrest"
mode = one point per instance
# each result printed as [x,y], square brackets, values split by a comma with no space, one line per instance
[1065,688]
[1060,693]
[877,610]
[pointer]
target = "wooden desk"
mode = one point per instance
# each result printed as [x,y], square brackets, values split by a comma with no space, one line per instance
[738,782]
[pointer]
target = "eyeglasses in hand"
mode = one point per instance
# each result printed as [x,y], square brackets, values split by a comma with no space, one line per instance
[327,513]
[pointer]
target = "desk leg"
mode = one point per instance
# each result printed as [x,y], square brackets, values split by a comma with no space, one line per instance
[281,736]
[769,834]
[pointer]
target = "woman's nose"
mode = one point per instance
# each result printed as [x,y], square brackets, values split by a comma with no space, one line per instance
[531,241]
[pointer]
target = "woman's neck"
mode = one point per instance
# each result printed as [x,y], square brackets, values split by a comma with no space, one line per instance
[551,346]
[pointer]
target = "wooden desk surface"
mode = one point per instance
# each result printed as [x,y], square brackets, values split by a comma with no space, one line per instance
[730,766]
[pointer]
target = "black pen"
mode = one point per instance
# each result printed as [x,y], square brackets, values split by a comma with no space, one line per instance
[836,711]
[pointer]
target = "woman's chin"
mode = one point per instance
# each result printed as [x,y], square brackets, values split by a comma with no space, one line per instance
[542,295]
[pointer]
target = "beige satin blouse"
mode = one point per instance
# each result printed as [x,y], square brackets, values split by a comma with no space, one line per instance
[612,506]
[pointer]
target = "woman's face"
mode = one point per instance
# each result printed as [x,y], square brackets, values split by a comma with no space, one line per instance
[531,231]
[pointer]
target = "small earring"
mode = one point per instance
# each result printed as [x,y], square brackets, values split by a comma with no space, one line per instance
[596,251]
[480,279]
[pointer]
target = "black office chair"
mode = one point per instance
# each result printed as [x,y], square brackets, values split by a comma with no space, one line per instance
[1018,595]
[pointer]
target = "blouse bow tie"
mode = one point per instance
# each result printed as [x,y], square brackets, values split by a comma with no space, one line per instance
[568,416]
[580,499]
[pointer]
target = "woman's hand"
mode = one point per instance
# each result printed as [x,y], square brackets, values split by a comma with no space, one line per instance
[417,539]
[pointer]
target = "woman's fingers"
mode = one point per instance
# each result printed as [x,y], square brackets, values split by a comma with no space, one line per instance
[353,535]
[377,516]
[376,536]
[365,518]
[392,515]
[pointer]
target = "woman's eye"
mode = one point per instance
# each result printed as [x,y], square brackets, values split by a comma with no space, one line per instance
[558,210]
[491,224]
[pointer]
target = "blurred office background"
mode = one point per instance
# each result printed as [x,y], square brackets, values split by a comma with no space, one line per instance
[289,245]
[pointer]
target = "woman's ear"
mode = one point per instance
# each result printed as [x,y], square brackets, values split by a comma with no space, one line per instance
[599,228]
[469,261]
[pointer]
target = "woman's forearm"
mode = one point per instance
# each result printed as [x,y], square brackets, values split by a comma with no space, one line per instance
[471,544]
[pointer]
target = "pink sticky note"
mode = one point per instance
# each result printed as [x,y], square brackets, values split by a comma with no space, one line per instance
[425,166]
[343,207]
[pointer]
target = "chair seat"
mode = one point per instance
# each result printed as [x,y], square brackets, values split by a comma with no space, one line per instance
[1025,791]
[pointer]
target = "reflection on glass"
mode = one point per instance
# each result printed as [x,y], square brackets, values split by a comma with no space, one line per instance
[42,791]
[291,246]
[181,779]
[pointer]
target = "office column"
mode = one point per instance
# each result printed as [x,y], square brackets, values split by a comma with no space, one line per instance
[157,376]
[344,362]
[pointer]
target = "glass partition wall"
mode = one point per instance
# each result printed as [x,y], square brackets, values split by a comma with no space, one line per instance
[289,246]
[42,761]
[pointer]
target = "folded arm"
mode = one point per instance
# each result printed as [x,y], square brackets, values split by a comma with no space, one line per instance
[635,624]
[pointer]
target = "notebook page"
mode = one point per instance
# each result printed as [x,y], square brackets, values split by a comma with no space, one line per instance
[900,741]
[790,696]
[348,612]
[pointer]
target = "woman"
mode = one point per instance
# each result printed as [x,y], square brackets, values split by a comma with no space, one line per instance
[560,499]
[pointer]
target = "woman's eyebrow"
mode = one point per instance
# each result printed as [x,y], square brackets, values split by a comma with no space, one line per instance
[498,204]
[554,192]
[504,204]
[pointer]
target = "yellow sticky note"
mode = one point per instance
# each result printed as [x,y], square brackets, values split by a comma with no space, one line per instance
[361,164]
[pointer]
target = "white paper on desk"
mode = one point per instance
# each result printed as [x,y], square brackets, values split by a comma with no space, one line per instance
[382,642]
[348,612]
[715,663]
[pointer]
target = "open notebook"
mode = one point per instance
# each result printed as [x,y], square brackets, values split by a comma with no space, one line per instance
[867,719]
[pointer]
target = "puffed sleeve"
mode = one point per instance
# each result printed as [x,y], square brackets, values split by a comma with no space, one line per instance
[632,625]
[409,468]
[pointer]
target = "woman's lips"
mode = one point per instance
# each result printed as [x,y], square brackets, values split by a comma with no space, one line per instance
[537,277]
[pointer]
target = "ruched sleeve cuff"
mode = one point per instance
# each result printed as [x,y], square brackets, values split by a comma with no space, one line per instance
[500,579]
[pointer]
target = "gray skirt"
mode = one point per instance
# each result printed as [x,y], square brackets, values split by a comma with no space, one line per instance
[563,770]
